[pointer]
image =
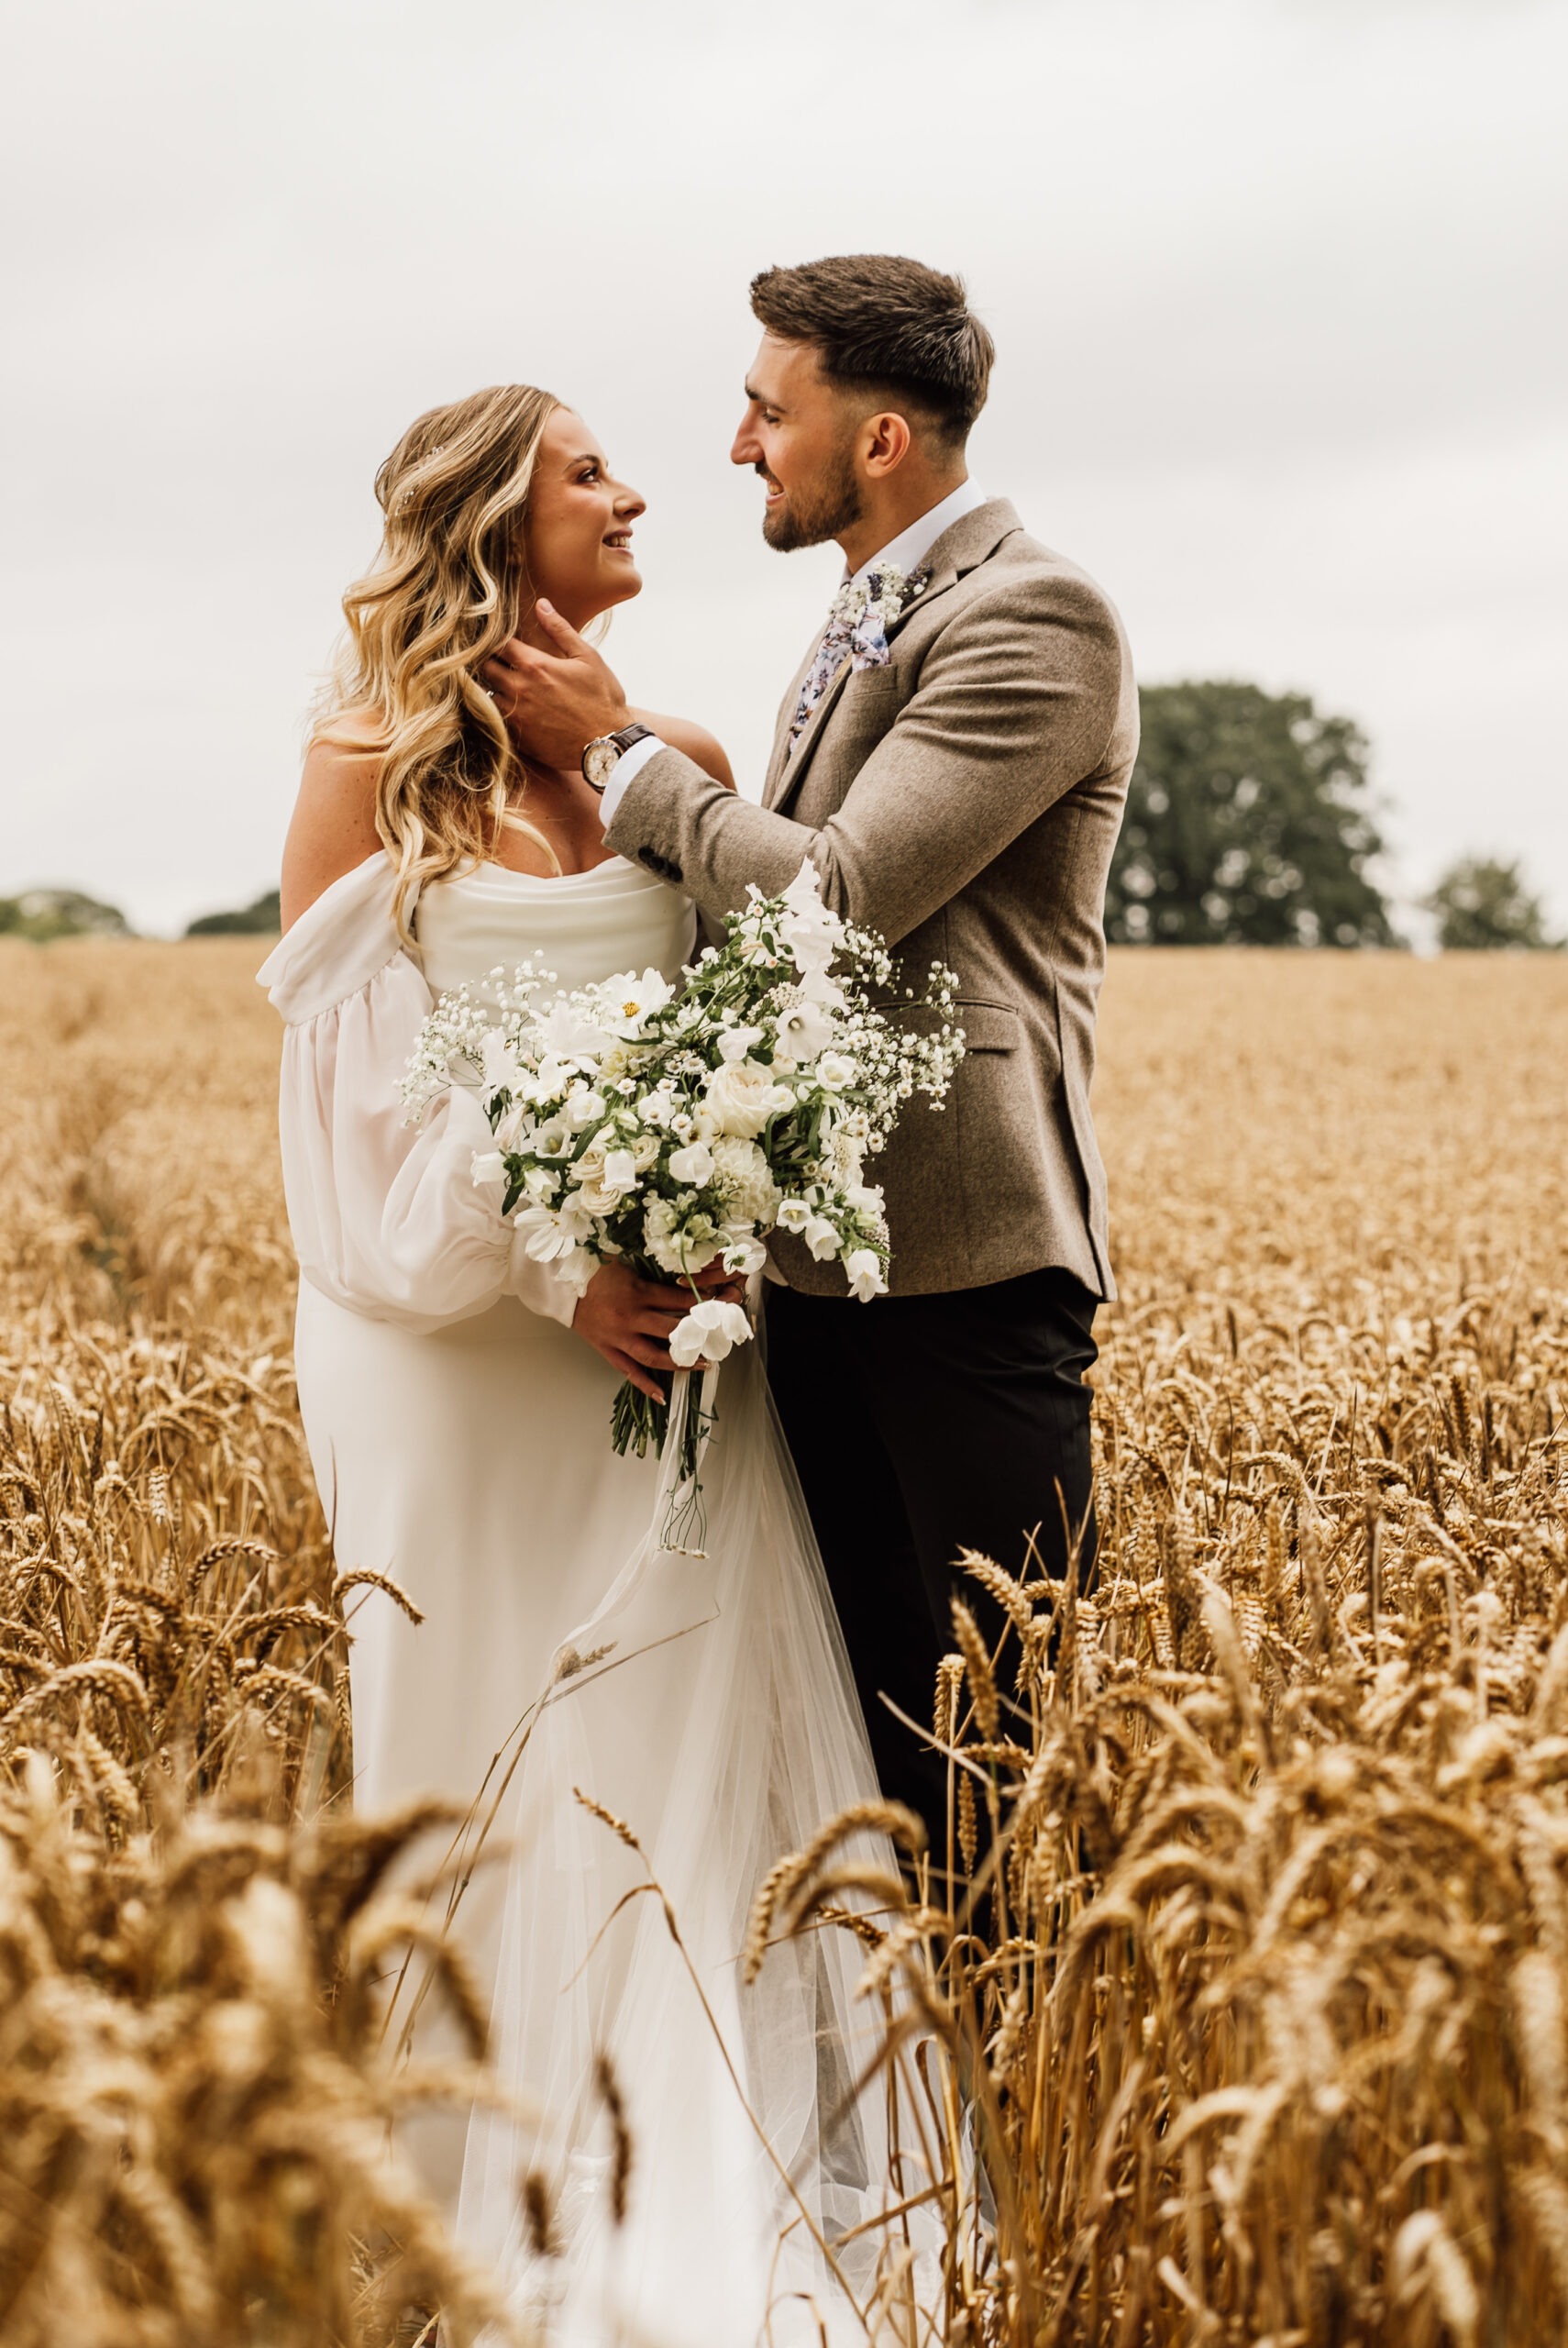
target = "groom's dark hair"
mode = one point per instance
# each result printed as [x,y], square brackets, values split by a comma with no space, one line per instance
[887,323]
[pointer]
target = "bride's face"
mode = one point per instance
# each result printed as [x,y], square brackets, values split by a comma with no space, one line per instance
[577,530]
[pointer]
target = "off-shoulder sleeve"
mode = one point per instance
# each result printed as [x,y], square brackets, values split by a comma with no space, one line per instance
[386,1218]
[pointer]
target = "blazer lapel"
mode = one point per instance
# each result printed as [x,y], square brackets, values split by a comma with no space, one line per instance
[961,548]
[776,764]
[786,780]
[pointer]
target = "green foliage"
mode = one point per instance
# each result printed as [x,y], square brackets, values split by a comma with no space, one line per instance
[265,917]
[1246,825]
[44,913]
[1482,905]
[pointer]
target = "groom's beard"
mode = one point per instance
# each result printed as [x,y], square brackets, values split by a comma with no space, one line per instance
[809,518]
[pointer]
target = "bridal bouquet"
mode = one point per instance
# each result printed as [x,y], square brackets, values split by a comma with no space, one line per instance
[670,1128]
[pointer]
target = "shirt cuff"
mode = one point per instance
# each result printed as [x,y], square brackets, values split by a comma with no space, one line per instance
[628,766]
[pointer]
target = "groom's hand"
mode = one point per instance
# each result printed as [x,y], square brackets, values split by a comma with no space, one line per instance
[554,704]
[628,1319]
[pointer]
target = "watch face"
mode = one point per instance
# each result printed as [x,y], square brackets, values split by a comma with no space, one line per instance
[599,760]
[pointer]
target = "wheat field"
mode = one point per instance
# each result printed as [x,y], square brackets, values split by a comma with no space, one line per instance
[1258,1979]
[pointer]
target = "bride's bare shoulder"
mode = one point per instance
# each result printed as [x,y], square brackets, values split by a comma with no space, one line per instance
[333,829]
[699,744]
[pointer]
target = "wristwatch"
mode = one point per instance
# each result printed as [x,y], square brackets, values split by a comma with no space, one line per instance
[604,755]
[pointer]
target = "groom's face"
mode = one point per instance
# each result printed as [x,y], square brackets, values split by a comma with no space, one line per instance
[798,434]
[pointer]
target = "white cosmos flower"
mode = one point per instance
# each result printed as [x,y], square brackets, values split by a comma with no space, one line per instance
[628,1001]
[735,1043]
[835,1069]
[694,1164]
[821,1238]
[865,1270]
[708,1333]
[804,1030]
[794,1215]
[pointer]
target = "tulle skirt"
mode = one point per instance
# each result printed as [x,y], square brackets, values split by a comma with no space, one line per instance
[697,2148]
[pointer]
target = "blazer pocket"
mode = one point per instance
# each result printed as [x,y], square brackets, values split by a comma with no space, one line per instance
[988,1026]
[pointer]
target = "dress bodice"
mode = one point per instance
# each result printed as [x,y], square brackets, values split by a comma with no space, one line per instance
[582,926]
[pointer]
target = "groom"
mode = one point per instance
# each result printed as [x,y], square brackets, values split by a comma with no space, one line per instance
[957,776]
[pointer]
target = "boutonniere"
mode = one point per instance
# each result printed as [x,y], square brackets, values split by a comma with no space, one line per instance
[865,609]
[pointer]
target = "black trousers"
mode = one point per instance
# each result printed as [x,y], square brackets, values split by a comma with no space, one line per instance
[919,1425]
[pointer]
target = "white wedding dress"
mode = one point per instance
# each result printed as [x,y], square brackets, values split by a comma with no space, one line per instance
[460,1435]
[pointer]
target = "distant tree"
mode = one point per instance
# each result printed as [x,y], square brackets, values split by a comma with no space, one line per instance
[44,913]
[1482,905]
[1246,825]
[259,919]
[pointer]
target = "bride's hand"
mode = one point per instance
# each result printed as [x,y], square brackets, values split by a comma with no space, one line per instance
[554,703]
[628,1319]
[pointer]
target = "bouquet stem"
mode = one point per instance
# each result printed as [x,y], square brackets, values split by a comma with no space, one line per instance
[636,1419]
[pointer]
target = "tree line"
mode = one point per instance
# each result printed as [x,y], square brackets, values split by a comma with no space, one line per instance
[1249,822]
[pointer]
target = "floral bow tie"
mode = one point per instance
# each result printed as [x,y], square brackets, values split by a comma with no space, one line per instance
[863,611]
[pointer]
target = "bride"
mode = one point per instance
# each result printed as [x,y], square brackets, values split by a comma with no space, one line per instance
[456,1401]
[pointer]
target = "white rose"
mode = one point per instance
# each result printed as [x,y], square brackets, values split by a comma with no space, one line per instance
[821,1238]
[581,1110]
[694,1164]
[707,1333]
[742,1097]
[804,1030]
[865,1270]
[835,1069]
[597,1188]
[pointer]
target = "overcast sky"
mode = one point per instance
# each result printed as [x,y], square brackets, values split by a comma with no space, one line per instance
[1277,289]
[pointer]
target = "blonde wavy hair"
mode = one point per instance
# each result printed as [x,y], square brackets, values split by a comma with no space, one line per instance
[447,589]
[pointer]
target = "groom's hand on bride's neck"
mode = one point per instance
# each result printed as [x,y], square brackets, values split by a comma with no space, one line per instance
[554,699]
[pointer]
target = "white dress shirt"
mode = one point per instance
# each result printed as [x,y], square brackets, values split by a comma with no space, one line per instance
[908,549]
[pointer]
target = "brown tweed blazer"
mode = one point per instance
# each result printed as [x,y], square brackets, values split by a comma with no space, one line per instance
[964,801]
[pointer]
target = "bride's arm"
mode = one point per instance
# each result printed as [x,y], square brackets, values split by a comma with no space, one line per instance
[386,1218]
[699,744]
[333,828]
